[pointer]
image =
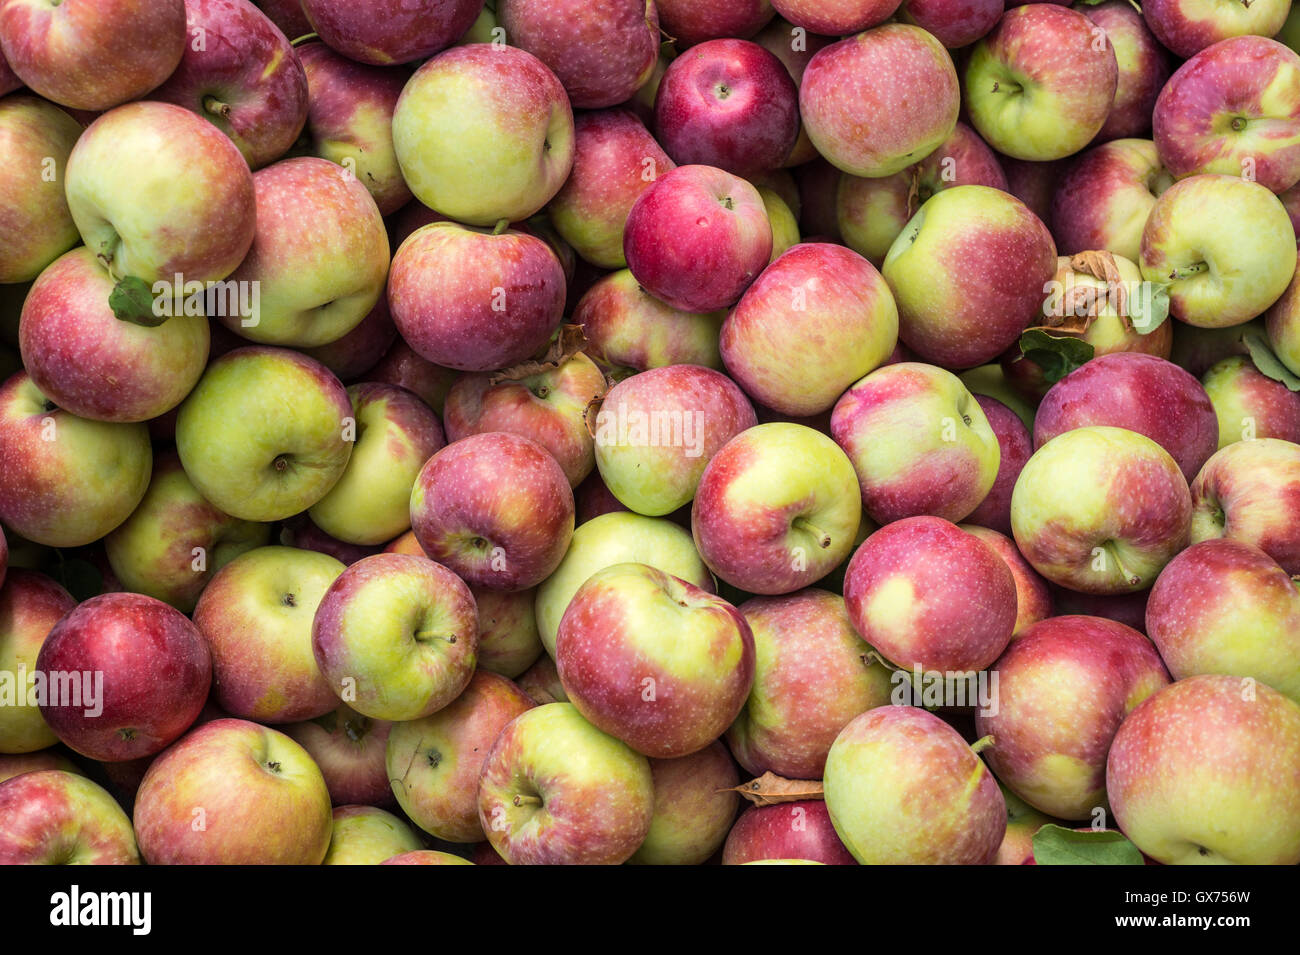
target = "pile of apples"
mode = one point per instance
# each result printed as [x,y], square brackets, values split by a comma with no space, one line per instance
[652,431]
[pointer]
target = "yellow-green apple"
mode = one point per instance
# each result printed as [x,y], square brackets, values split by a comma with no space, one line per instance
[1101,510]
[602,52]
[1248,492]
[383,31]
[288,15]
[188,212]
[1033,597]
[800,830]
[93,54]
[426,857]
[91,363]
[508,640]
[795,47]
[541,682]
[628,328]
[657,431]
[1189,26]
[1208,771]
[353,356]
[697,238]
[903,787]
[695,805]
[396,433]
[955,23]
[265,433]
[396,635]
[1105,196]
[1281,327]
[549,407]
[240,74]
[1225,247]
[872,212]
[16,765]
[1144,66]
[30,605]
[53,817]
[349,750]
[616,538]
[1014,448]
[36,138]
[402,366]
[813,674]
[1064,687]
[495,508]
[689,22]
[434,762]
[233,793]
[869,127]
[1040,86]
[475,299]
[126,674]
[1222,606]
[483,133]
[664,698]
[919,442]
[785,225]
[835,17]
[904,600]
[728,103]
[819,318]
[1023,820]
[615,160]
[968,273]
[1142,393]
[1249,404]
[66,481]
[367,835]
[776,509]
[1227,110]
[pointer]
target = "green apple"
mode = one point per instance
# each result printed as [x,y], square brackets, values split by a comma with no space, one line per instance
[35,139]
[365,835]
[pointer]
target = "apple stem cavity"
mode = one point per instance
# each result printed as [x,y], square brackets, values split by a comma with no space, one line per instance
[1187,271]
[803,524]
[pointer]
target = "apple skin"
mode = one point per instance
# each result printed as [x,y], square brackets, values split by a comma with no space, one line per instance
[189,211]
[866,126]
[1227,246]
[1248,492]
[30,605]
[616,669]
[95,365]
[508,641]
[1187,27]
[288,16]
[356,354]
[693,21]
[367,835]
[434,762]
[919,442]
[381,32]
[263,800]
[796,830]
[1105,197]
[541,682]
[1033,597]
[695,805]
[348,748]
[697,238]
[53,817]
[955,23]
[555,790]
[628,328]
[776,509]
[33,211]
[93,54]
[799,361]
[9,81]
[1142,393]
[426,857]
[1222,606]
[795,48]
[1250,405]
[402,366]
[1199,108]
[1101,510]
[484,133]
[473,300]
[1064,688]
[1208,770]
[968,273]
[16,765]
[1023,821]
[1281,326]
[1144,67]
[902,786]
[1014,448]
[813,674]
[73,490]
[835,17]
[401,632]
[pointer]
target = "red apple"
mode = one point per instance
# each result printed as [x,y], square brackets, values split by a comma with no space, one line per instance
[1016,446]
[1249,404]
[1144,66]
[390,31]
[1105,197]
[628,328]
[692,21]
[1033,595]
[1185,27]
[794,830]
[349,750]
[53,817]
[695,805]
[956,23]
[402,366]
[1250,492]
[835,17]
[39,136]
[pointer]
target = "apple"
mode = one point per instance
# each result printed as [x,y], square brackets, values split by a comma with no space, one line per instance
[1014,448]
[93,54]
[1246,493]
[65,481]
[990,381]
[484,133]
[53,817]
[1208,770]
[1281,327]
[402,366]
[37,138]
[233,793]
[1034,601]
[1187,28]
[799,830]
[541,682]
[1144,67]
[349,750]
[299,531]
[508,640]
[426,857]
[16,765]
[1105,197]
[1101,510]
[555,790]
[1041,85]
[795,48]
[288,16]
[1034,183]
[383,31]
[1250,405]
[1023,821]
[955,23]
[903,787]
[695,805]
[353,356]
[835,17]
[264,434]
[689,22]
[8,79]
[697,238]
[366,835]
[30,605]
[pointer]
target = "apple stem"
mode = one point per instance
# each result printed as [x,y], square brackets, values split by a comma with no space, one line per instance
[1188,271]
[803,524]
[527,800]
[501,227]
[1132,578]
[982,743]
[423,635]
[214,106]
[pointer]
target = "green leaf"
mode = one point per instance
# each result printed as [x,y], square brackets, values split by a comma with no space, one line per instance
[1056,845]
[132,301]
[1149,307]
[1056,355]
[1266,361]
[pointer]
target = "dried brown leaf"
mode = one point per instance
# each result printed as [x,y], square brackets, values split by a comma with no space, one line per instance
[571,340]
[771,790]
